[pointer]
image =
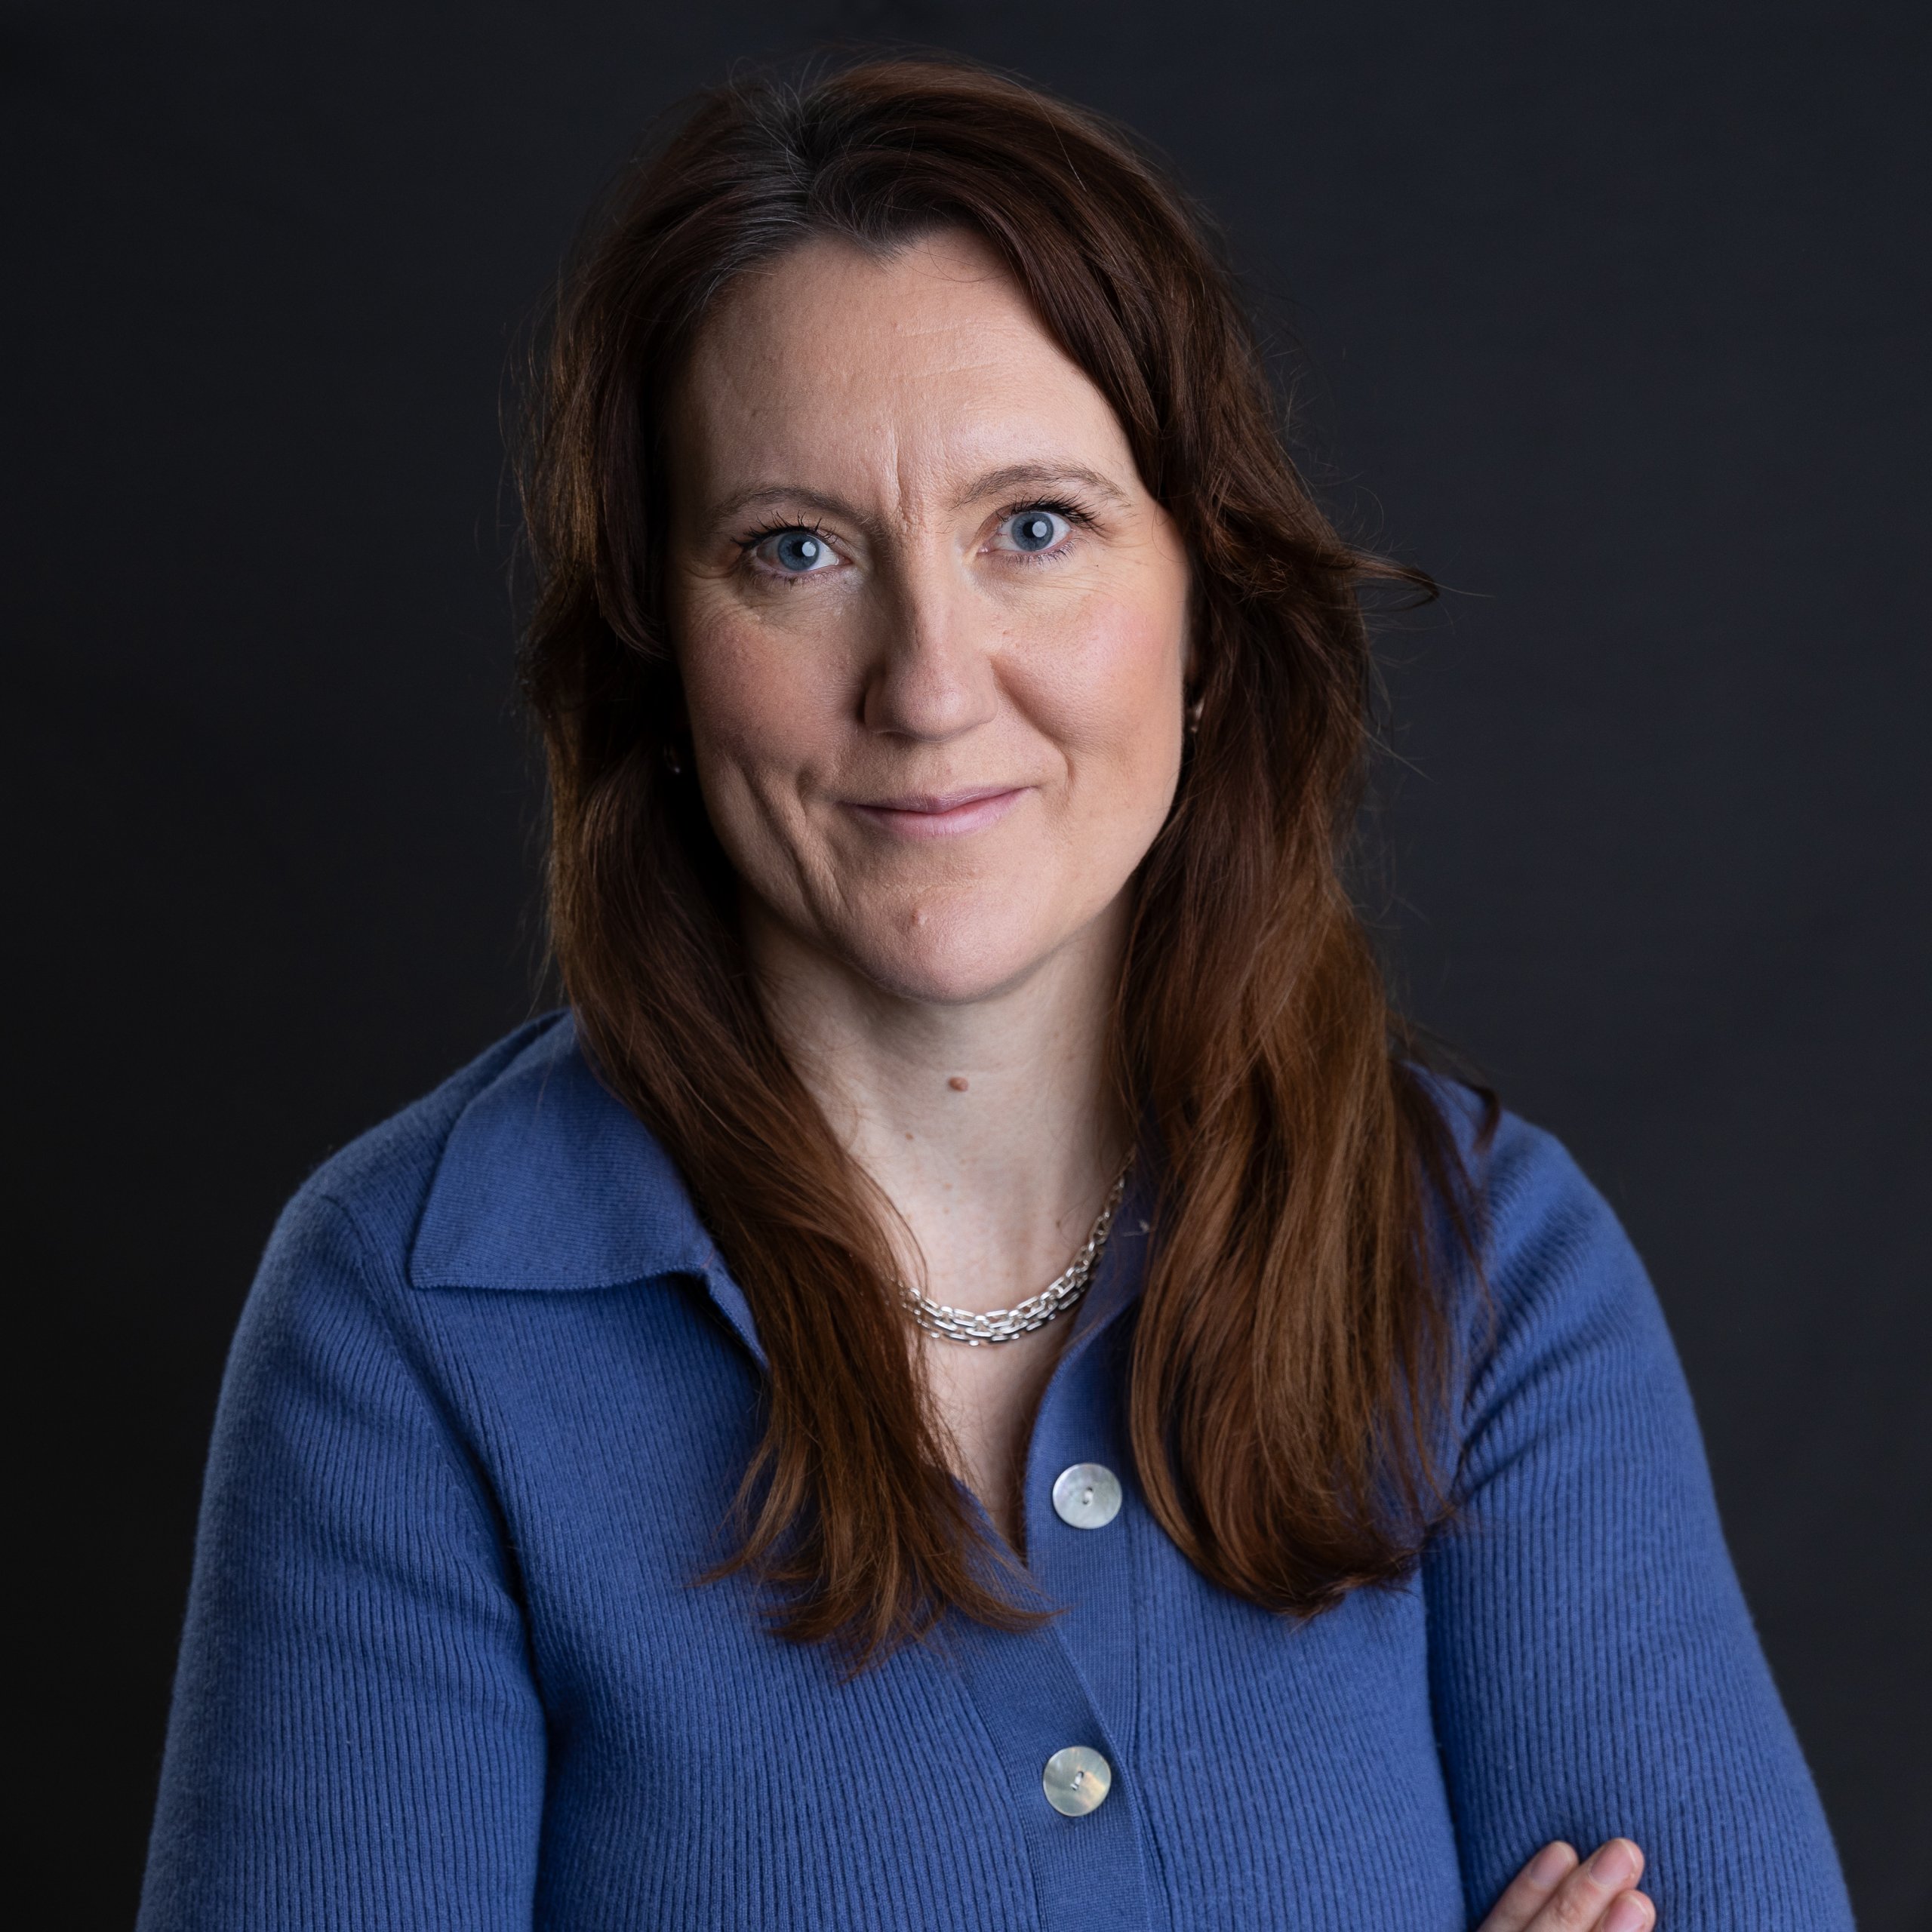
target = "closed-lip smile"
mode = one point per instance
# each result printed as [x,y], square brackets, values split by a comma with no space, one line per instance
[939,814]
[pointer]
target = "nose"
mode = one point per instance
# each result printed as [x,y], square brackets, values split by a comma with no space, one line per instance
[931,676]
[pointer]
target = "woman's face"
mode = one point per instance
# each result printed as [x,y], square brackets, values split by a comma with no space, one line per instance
[930,624]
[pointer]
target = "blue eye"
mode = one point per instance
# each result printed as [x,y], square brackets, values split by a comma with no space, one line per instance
[799,551]
[1036,529]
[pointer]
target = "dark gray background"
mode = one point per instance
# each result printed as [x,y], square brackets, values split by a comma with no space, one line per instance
[1614,318]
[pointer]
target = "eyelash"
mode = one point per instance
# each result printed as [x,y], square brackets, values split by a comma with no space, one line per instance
[753,538]
[1078,515]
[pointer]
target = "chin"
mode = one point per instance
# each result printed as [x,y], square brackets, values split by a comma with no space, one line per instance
[952,953]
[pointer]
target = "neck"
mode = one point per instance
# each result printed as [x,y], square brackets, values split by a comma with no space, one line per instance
[990,1125]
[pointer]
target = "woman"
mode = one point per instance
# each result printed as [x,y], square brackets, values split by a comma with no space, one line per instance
[971,1380]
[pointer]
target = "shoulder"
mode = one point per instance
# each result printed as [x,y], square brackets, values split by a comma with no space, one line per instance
[521,1170]
[1558,1274]
[1525,1187]
[381,1179]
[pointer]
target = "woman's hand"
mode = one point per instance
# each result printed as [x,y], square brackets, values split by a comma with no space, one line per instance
[1553,1893]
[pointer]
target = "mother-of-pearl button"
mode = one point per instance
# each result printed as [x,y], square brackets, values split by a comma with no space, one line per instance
[1087,1497]
[1077,1781]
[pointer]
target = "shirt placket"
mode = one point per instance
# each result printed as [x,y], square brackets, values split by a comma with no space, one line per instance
[1059,1702]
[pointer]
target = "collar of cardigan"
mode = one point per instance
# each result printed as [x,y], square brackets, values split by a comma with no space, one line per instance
[547,1181]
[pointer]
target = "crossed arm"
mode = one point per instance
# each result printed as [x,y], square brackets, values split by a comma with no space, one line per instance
[1595,1677]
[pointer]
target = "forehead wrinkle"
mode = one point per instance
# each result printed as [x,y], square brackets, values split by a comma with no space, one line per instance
[786,444]
[913,475]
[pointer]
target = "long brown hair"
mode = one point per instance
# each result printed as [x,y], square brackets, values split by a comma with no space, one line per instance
[1292,1353]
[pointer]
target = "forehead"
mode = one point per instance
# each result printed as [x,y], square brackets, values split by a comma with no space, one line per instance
[837,367]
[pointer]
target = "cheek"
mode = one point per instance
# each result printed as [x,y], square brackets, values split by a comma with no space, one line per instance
[756,699]
[762,710]
[1108,690]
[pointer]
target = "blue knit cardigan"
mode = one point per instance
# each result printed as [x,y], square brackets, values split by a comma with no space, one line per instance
[446,1664]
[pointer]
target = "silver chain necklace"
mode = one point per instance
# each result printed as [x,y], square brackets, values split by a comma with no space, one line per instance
[1008,1324]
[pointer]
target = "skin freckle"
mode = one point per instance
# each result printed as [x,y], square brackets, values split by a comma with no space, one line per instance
[957,1083]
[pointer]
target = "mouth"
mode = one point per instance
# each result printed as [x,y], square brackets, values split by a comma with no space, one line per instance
[939,814]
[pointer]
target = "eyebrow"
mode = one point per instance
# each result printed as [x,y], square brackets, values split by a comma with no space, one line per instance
[1003,481]
[1042,476]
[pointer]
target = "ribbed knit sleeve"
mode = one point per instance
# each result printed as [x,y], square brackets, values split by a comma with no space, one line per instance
[1593,1666]
[356,1740]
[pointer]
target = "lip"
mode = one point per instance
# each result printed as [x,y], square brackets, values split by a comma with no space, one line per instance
[940,815]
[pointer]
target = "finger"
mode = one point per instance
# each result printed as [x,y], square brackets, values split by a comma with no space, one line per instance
[1585,1898]
[1529,1890]
[1629,1912]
